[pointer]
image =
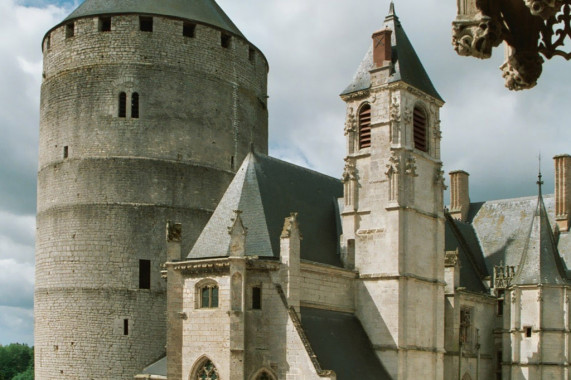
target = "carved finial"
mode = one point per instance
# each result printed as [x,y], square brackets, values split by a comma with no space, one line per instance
[539,176]
[290,223]
[174,232]
[392,9]
[237,223]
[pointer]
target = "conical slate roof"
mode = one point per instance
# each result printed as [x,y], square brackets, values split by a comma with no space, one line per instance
[268,190]
[201,11]
[540,262]
[406,64]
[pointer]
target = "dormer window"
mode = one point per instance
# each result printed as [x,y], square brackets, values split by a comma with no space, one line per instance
[420,129]
[365,127]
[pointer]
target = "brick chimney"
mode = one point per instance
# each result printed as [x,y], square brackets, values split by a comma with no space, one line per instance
[382,48]
[562,191]
[459,195]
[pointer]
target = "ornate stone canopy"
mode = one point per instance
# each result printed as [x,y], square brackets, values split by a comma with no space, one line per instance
[530,29]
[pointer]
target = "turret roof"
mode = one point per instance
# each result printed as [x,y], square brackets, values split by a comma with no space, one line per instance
[201,11]
[407,67]
[540,262]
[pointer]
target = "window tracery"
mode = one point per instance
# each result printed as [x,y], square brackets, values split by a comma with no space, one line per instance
[207,371]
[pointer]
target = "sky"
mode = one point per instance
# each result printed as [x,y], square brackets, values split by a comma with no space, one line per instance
[313,48]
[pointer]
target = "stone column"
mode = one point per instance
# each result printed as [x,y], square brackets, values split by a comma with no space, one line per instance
[562,190]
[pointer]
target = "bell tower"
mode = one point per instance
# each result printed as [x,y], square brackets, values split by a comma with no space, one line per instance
[393,223]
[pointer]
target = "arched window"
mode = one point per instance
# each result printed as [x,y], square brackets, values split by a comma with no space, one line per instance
[365,126]
[263,374]
[122,104]
[135,105]
[207,294]
[420,130]
[205,370]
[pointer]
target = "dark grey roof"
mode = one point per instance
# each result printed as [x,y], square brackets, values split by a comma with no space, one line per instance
[540,262]
[342,345]
[268,190]
[158,368]
[201,11]
[407,67]
[462,237]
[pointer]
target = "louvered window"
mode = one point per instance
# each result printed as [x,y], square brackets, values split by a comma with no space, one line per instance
[365,127]
[419,123]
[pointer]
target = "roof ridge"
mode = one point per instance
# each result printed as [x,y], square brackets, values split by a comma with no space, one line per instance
[313,171]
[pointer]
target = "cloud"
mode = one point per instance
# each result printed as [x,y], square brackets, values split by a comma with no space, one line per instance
[16,284]
[16,325]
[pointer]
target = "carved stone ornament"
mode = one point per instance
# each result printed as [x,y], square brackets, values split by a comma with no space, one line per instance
[410,166]
[439,177]
[521,70]
[528,27]
[395,111]
[477,36]
[407,116]
[393,167]
[351,123]
[349,172]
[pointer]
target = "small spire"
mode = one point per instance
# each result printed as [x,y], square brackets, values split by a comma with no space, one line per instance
[392,14]
[539,176]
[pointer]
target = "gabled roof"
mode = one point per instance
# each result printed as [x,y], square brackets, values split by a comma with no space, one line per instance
[407,67]
[268,190]
[342,345]
[201,11]
[540,262]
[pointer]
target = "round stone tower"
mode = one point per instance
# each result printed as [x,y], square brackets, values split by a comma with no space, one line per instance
[148,107]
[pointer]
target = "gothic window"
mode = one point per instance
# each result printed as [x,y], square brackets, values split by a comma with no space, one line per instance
[365,126]
[206,371]
[122,104]
[188,29]
[105,24]
[69,30]
[135,105]
[207,294]
[420,129]
[145,24]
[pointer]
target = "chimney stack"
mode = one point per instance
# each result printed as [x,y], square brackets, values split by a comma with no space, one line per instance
[382,48]
[562,191]
[459,195]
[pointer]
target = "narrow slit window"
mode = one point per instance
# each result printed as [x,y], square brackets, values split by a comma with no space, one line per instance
[419,132]
[104,24]
[69,30]
[65,152]
[365,127]
[144,274]
[251,54]
[135,105]
[232,162]
[146,24]
[48,41]
[256,298]
[122,104]
[125,327]
[225,40]
[188,29]
[527,332]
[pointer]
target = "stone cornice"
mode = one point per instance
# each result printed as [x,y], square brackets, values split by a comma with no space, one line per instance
[309,266]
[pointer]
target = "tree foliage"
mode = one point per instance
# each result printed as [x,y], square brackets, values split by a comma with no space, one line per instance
[16,362]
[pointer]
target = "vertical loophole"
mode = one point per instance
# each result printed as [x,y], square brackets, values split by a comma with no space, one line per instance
[122,104]
[135,105]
